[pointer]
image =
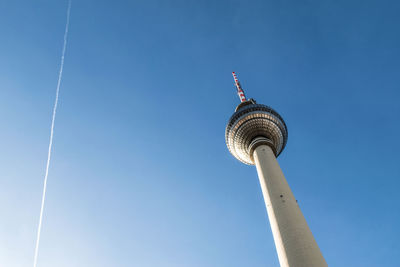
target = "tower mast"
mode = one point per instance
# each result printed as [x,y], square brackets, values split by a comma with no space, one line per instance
[240,91]
[256,135]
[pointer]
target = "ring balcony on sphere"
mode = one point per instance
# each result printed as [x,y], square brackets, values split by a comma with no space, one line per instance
[251,121]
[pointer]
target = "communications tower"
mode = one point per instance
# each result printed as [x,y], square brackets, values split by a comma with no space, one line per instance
[256,135]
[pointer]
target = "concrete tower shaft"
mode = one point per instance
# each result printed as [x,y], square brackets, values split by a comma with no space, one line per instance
[256,134]
[294,242]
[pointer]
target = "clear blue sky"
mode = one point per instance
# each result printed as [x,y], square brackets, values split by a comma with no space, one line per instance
[140,173]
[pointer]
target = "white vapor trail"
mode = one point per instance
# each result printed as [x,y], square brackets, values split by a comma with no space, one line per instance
[51,134]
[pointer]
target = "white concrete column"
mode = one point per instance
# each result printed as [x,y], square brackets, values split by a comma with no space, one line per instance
[295,244]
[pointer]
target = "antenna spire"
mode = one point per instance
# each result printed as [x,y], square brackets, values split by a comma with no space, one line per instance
[240,91]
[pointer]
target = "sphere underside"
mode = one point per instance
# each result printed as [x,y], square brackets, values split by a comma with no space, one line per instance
[249,122]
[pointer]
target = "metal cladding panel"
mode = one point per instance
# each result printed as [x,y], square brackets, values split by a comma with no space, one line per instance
[250,121]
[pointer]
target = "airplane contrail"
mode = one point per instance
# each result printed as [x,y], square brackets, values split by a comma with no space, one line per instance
[51,134]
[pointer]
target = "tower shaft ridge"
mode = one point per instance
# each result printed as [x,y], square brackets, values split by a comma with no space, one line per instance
[256,135]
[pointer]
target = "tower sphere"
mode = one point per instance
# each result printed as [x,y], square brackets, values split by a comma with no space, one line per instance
[253,124]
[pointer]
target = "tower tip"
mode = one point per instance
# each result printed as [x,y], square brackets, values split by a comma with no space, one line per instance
[240,91]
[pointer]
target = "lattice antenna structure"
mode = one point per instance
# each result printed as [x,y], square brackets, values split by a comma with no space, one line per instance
[240,91]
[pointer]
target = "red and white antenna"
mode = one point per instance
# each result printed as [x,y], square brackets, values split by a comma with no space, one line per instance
[240,91]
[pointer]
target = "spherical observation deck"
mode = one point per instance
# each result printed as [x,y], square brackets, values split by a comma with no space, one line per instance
[253,124]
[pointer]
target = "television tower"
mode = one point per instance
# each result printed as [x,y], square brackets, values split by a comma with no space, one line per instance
[256,134]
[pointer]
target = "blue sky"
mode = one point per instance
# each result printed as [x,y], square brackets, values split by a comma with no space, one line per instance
[140,174]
